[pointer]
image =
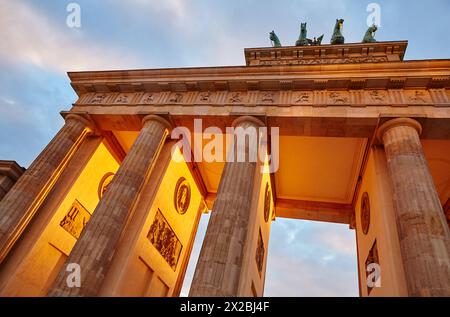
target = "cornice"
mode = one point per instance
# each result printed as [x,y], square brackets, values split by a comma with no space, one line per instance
[11,169]
[398,75]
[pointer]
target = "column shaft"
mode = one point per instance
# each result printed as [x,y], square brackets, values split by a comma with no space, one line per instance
[20,204]
[96,246]
[423,233]
[219,266]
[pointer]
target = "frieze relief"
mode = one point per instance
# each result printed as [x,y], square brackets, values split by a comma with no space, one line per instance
[338,98]
[418,97]
[323,61]
[124,98]
[164,239]
[376,97]
[76,219]
[149,98]
[394,97]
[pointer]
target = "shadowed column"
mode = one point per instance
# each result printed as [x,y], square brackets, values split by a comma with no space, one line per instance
[423,232]
[96,246]
[219,266]
[19,205]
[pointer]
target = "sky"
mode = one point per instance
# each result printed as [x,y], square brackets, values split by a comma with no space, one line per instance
[38,48]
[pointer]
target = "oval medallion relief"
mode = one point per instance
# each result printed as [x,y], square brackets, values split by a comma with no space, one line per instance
[267,201]
[104,183]
[365,213]
[182,196]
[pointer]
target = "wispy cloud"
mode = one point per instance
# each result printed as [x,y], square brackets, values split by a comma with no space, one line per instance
[311,259]
[29,36]
[175,9]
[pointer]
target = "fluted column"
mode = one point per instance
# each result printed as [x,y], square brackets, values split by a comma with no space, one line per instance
[19,205]
[96,246]
[220,262]
[423,232]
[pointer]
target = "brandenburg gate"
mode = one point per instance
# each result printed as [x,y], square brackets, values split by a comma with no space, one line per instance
[363,140]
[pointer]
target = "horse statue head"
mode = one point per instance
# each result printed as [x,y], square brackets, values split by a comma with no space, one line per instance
[275,40]
[338,38]
[369,37]
[302,40]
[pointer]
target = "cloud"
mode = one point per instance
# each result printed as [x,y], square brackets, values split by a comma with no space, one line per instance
[334,239]
[29,36]
[311,259]
[301,262]
[172,8]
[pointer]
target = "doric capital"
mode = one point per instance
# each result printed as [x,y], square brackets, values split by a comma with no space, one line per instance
[85,121]
[159,119]
[406,122]
[249,121]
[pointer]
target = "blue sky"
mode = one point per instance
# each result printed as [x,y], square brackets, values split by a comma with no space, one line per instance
[37,49]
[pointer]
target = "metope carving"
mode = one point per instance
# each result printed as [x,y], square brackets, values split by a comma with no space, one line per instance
[377,96]
[418,96]
[303,97]
[268,97]
[176,98]
[339,98]
[123,98]
[163,238]
[148,98]
[98,98]
[75,220]
[205,96]
[236,97]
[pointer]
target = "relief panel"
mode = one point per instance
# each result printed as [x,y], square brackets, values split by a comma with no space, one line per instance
[164,239]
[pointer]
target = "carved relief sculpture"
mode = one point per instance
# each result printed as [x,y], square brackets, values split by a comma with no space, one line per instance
[377,96]
[267,202]
[178,97]
[148,98]
[302,97]
[365,213]
[99,98]
[260,253]
[123,99]
[236,97]
[418,97]
[165,240]
[182,196]
[338,98]
[268,97]
[75,220]
[205,96]
[104,183]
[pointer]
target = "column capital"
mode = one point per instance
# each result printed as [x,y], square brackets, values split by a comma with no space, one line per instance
[406,122]
[159,119]
[88,123]
[247,119]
